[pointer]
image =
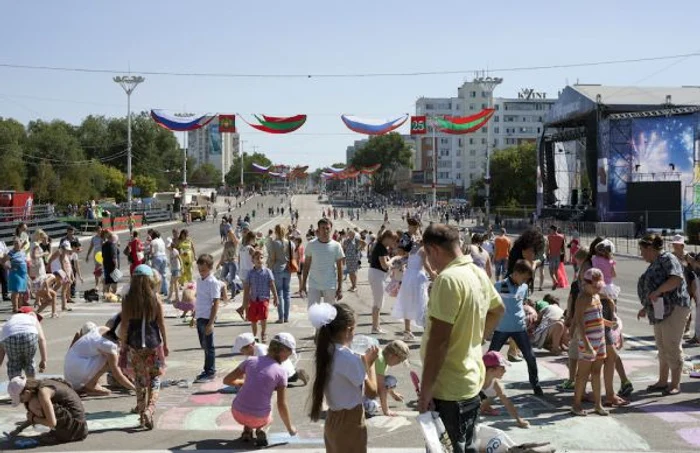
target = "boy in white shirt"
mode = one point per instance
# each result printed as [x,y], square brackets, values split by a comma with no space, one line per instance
[206,309]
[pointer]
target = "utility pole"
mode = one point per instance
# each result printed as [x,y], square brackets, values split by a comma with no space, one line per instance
[488,84]
[129,84]
[185,143]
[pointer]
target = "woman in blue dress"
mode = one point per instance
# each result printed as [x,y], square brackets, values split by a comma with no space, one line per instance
[18,275]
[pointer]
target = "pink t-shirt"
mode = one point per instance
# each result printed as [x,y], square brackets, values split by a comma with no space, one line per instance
[263,375]
[606,267]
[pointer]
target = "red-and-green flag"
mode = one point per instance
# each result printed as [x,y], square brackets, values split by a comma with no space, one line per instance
[466,124]
[278,125]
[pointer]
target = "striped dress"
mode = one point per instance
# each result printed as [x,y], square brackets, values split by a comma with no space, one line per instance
[595,332]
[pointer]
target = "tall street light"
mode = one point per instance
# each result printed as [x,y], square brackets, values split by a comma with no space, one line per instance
[488,84]
[128,83]
[185,145]
[242,142]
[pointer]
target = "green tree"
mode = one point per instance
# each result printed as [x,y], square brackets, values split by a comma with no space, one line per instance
[250,177]
[513,178]
[147,184]
[108,181]
[205,175]
[391,151]
[45,183]
[12,139]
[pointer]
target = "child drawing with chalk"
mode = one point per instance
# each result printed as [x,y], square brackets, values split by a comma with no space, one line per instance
[252,406]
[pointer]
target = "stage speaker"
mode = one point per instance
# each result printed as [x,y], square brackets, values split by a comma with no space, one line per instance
[574,197]
[586,196]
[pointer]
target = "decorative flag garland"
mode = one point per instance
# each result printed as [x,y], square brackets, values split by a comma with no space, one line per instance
[371,169]
[285,125]
[372,127]
[464,125]
[259,168]
[278,125]
[180,123]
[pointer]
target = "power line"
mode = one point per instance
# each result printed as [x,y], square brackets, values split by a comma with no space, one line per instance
[345,75]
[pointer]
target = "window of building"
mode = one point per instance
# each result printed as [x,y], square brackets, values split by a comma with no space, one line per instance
[458,176]
[471,141]
[460,142]
[445,141]
[472,106]
[459,164]
[459,152]
[497,107]
[472,164]
[484,106]
[495,143]
[496,130]
[484,94]
[472,152]
[497,119]
[483,141]
[472,94]
[429,106]
[538,130]
[485,129]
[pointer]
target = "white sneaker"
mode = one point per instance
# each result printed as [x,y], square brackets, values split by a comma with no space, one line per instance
[408,336]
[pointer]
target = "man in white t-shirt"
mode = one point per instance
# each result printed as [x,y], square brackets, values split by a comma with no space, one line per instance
[159,256]
[323,267]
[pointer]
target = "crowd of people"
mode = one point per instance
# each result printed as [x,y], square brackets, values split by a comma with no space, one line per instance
[462,291]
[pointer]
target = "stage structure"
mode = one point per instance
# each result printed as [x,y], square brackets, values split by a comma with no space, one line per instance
[621,154]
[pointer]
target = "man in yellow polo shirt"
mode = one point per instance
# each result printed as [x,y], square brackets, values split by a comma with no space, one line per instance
[464,308]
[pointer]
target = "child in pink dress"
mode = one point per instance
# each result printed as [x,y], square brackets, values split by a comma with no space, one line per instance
[604,261]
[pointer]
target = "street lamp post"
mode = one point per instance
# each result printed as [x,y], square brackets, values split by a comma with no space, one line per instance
[128,83]
[185,143]
[241,150]
[488,84]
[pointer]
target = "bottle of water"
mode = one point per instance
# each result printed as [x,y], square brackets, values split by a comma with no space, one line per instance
[360,344]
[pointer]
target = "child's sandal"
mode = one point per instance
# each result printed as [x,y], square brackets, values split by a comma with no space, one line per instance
[247,436]
[260,438]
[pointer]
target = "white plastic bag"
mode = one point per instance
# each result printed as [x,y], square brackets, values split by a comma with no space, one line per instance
[434,433]
[116,275]
[658,305]
[492,440]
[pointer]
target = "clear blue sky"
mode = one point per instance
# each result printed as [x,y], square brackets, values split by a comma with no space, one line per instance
[325,37]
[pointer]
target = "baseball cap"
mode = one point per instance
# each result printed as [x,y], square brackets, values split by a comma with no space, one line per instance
[245,226]
[143,270]
[27,310]
[242,341]
[678,239]
[286,339]
[493,359]
[15,389]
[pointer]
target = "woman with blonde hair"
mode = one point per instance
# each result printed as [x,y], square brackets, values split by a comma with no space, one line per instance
[281,253]
[187,253]
[37,268]
[146,344]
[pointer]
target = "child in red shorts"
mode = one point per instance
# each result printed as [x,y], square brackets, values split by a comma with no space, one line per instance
[256,291]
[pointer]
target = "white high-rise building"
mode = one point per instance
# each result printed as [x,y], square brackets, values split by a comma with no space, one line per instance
[461,159]
[519,120]
[207,145]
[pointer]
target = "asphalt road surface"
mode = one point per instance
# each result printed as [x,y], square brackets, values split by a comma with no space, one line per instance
[199,418]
